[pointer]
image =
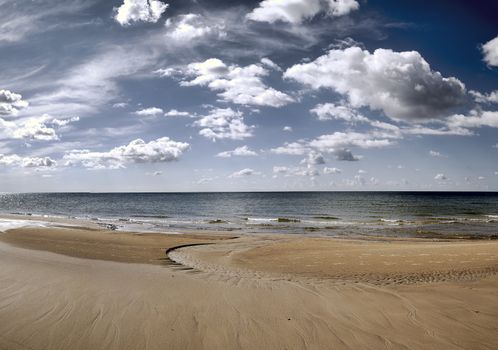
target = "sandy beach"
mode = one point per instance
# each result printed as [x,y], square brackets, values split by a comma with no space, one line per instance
[88,288]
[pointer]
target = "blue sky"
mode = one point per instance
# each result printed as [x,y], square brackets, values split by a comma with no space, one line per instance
[137,95]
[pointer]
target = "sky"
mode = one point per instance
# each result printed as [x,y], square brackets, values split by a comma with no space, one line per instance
[272,95]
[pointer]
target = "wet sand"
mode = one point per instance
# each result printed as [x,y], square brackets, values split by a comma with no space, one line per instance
[76,288]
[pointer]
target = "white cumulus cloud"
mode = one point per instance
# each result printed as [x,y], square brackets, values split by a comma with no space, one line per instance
[184,28]
[338,144]
[11,103]
[150,112]
[240,85]
[295,171]
[329,111]
[313,158]
[401,84]
[138,151]
[490,52]
[332,170]
[27,162]
[297,11]
[176,113]
[243,173]
[139,11]
[491,97]
[475,119]
[224,123]
[35,128]
[243,151]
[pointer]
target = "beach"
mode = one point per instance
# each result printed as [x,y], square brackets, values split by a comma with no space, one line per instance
[76,287]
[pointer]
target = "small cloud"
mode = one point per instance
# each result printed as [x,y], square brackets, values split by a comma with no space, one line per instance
[187,27]
[149,112]
[440,177]
[242,151]
[11,103]
[361,171]
[331,170]
[435,153]
[314,158]
[120,105]
[479,97]
[481,178]
[330,111]
[243,173]
[205,180]
[345,155]
[287,128]
[224,123]
[270,64]
[295,171]
[175,113]
[155,173]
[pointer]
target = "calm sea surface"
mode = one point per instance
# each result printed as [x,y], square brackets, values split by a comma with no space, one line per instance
[422,214]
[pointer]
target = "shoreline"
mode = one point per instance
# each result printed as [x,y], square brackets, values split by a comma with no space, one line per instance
[369,259]
[85,287]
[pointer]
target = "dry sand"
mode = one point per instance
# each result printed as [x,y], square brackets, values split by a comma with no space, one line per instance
[253,292]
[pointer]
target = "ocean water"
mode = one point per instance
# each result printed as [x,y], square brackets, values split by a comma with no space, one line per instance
[416,214]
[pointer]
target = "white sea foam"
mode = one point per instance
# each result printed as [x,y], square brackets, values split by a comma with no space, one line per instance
[7,224]
[262,219]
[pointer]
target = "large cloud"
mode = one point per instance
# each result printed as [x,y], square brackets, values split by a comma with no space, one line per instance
[139,11]
[337,144]
[10,102]
[296,11]
[224,123]
[35,128]
[138,151]
[401,84]
[240,85]
[490,52]
[27,162]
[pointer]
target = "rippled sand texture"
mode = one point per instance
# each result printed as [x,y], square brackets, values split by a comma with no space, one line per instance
[53,301]
[381,262]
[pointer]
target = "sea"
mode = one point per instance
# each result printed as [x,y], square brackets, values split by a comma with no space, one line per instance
[399,214]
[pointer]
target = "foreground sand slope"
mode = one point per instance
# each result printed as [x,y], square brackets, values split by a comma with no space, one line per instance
[52,301]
